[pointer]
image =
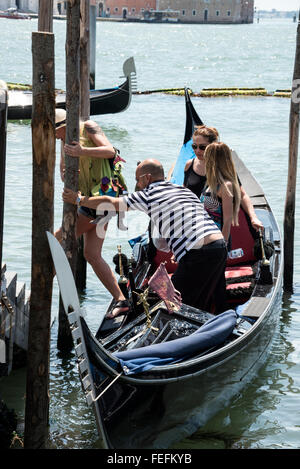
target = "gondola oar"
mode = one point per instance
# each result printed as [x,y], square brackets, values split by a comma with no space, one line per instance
[265,273]
[122,260]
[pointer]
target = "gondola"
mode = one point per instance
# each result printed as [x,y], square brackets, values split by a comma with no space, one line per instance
[157,375]
[13,13]
[104,101]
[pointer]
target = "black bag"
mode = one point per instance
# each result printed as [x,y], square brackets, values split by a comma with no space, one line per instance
[268,248]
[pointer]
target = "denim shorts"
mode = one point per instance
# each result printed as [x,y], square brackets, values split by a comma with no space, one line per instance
[87,212]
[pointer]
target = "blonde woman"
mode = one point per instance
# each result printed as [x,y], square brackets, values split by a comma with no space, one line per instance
[222,194]
[98,175]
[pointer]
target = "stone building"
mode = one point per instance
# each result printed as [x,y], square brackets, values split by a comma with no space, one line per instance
[113,8]
[210,11]
[27,5]
[128,8]
[185,11]
[60,7]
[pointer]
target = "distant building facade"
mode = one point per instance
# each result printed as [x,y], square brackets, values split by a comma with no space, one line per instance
[28,5]
[210,11]
[185,11]
[128,8]
[60,7]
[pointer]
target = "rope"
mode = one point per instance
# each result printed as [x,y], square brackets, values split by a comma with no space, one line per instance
[113,381]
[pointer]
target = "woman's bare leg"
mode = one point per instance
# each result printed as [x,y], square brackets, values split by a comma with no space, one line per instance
[58,234]
[93,255]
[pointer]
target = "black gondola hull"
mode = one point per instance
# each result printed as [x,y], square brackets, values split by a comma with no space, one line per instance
[159,408]
[108,101]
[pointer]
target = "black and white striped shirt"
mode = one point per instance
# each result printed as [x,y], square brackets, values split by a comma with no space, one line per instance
[177,214]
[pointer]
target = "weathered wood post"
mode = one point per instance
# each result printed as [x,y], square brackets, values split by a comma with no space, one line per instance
[289,217]
[45,21]
[85,60]
[3,128]
[3,132]
[85,114]
[92,44]
[69,242]
[43,143]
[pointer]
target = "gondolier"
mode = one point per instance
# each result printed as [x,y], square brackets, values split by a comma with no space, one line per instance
[180,218]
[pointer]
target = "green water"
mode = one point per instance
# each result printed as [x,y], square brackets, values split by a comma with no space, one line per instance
[266,414]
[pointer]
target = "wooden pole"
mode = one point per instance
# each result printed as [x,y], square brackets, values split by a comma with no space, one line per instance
[85,60]
[92,44]
[69,242]
[81,266]
[43,143]
[45,21]
[3,130]
[289,217]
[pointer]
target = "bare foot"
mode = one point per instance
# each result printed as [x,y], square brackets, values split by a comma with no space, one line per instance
[121,307]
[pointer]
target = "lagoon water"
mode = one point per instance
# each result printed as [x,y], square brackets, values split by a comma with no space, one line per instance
[266,414]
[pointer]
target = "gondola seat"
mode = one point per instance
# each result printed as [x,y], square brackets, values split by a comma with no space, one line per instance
[242,237]
[239,273]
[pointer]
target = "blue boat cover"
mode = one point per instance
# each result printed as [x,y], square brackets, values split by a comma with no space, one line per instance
[186,153]
[214,332]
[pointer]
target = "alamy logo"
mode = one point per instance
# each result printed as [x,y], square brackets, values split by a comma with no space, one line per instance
[296,91]
[166,222]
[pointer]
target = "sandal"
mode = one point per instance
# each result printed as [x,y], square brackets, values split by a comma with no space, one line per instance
[119,304]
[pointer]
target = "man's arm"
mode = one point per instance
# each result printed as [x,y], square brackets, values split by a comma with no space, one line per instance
[71,197]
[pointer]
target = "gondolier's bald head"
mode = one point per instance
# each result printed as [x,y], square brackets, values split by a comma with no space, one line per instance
[148,171]
[153,167]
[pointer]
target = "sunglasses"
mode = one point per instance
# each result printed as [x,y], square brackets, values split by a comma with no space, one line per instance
[201,147]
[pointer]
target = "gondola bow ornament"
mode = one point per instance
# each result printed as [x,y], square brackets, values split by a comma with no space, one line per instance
[161,284]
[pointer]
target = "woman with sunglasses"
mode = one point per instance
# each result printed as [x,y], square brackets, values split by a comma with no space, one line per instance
[195,171]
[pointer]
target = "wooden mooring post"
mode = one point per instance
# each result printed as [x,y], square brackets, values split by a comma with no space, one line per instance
[69,242]
[289,216]
[43,144]
[45,21]
[81,266]
[85,60]
[3,130]
[93,33]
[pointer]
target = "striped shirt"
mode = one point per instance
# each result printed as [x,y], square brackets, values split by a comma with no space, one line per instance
[177,214]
